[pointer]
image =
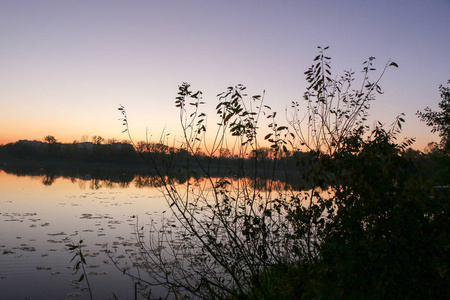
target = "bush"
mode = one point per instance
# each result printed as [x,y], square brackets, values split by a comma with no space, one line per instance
[360,225]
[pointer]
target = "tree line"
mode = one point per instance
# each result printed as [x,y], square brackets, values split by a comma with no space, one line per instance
[289,167]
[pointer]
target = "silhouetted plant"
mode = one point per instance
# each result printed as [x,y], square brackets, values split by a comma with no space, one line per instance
[335,108]
[246,235]
[50,139]
[439,121]
[222,220]
[80,263]
[382,238]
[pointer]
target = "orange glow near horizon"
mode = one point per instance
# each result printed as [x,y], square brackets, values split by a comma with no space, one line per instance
[66,78]
[421,145]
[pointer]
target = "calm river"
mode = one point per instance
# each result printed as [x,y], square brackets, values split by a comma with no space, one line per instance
[39,216]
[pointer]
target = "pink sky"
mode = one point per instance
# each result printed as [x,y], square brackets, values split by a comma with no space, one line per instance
[66,65]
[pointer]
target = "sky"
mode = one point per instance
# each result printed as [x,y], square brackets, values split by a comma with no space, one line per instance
[65,66]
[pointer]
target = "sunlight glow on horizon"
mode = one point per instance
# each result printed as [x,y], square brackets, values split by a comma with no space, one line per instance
[66,66]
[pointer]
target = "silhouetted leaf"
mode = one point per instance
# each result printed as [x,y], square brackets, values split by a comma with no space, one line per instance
[394,64]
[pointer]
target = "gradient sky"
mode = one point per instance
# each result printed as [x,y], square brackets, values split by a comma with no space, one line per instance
[66,65]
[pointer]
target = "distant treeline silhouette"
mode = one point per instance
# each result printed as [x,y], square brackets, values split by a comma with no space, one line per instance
[83,151]
[36,157]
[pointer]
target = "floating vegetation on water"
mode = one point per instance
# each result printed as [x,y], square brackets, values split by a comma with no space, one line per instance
[29,214]
[69,296]
[54,242]
[97,273]
[56,234]
[36,239]
[28,248]
[93,266]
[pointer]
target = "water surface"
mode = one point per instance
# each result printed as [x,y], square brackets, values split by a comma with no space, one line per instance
[39,216]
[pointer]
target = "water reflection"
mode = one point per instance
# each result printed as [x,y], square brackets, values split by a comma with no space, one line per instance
[101,177]
[60,205]
[48,179]
[40,214]
[94,179]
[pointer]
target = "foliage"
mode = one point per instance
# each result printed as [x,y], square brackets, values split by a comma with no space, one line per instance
[439,121]
[359,224]
[334,106]
[387,235]
[50,139]
[80,262]
[223,220]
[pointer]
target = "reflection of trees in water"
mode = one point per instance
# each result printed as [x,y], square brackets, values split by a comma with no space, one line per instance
[147,181]
[48,179]
[141,181]
[81,184]
[99,178]
[95,184]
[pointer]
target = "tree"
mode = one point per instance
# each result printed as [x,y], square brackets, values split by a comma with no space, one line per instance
[50,139]
[251,236]
[142,146]
[51,146]
[112,141]
[386,234]
[224,152]
[97,140]
[439,121]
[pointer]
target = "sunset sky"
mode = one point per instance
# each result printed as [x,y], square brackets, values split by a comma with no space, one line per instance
[65,66]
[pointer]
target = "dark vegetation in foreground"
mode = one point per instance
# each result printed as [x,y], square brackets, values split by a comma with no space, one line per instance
[379,229]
